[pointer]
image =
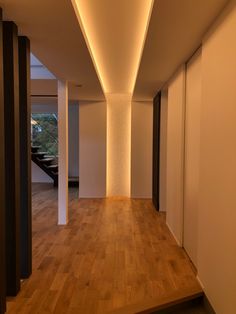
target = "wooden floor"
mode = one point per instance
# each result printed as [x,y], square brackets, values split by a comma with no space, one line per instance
[114,253]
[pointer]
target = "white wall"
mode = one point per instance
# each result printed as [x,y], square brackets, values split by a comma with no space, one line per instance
[175,153]
[44,108]
[92,149]
[38,70]
[192,151]
[141,149]
[163,150]
[210,161]
[38,175]
[73,128]
[217,198]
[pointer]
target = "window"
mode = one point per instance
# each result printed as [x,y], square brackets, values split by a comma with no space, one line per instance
[44,132]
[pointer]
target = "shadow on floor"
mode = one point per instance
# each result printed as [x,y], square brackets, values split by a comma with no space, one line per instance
[192,307]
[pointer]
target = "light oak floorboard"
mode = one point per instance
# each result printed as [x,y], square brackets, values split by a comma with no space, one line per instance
[112,254]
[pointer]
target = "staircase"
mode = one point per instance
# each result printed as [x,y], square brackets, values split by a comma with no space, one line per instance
[49,166]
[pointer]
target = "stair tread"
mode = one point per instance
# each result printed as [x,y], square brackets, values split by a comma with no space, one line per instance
[46,159]
[39,153]
[70,179]
[34,149]
[73,179]
[53,166]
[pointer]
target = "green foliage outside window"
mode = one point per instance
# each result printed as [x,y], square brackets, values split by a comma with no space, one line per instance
[45,132]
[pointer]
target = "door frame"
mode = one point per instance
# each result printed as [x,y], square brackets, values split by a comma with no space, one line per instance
[156,151]
[2,183]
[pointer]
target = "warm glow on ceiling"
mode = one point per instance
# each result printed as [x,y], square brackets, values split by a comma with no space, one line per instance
[115,33]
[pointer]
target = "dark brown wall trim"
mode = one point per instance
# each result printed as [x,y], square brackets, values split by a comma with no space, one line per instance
[25,157]
[156,150]
[44,96]
[12,156]
[2,183]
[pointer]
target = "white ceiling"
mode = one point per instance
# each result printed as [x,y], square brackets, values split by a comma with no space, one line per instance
[176,29]
[57,41]
[45,87]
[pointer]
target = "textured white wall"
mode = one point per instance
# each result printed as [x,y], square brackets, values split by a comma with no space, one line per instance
[92,149]
[141,149]
[118,144]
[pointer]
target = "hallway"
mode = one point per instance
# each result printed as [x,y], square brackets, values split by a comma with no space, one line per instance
[113,253]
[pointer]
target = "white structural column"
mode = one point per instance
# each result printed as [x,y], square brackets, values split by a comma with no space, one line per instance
[63,152]
[118,144]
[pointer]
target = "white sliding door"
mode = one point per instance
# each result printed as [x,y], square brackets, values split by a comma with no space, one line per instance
[175,154]
[192,151]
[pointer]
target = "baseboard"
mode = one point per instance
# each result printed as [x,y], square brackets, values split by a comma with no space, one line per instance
[209,308]
[199,280]
[178,242]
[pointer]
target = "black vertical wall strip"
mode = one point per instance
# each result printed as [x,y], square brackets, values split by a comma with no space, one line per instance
[2,184]
[156,150]
[25,157]
[12,156]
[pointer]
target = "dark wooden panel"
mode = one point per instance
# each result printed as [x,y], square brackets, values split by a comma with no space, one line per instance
[25,157]
[156,150]
[2,184]
[12,156]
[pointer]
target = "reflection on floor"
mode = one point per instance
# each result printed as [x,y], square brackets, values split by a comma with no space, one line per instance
[113,254]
